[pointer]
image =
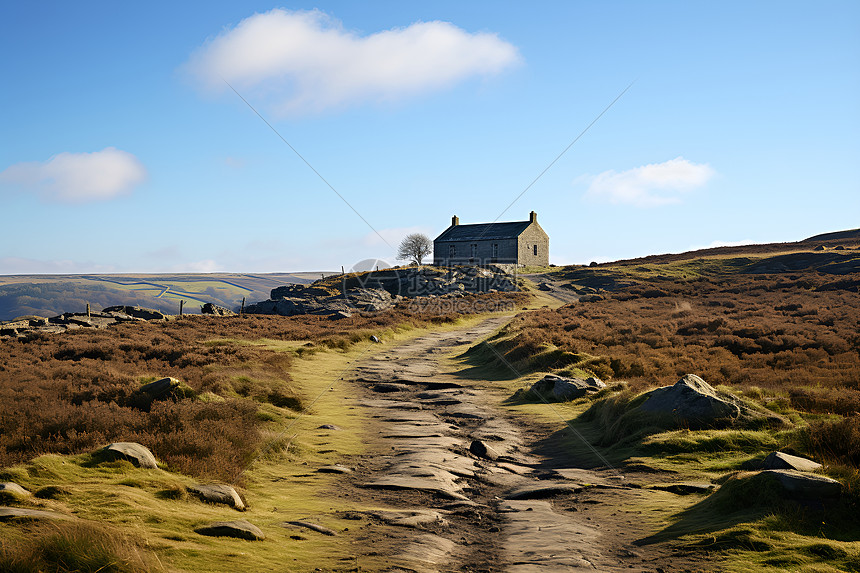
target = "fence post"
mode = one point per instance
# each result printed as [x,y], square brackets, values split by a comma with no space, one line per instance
[242,308]
[181,304]
[88,310]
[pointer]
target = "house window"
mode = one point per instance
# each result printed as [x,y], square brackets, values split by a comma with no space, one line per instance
[474,250]
[535,250]
[452,251]
[495,250]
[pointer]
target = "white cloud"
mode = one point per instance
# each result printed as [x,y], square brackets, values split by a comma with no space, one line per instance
[78,177]
[304,61]
[650,185]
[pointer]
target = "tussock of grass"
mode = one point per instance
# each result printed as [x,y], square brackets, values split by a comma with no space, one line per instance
[74,547]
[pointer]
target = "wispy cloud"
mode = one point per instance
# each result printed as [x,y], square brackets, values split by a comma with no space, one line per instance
[649,185]
[304,61]
[78,177]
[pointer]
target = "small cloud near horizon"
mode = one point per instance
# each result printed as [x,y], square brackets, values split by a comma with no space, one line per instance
[649,185]
[305,62]
[78,177]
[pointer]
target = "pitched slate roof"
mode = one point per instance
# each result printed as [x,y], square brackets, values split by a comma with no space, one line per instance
[483,231]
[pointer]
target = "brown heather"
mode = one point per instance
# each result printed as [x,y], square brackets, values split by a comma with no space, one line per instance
[74,392]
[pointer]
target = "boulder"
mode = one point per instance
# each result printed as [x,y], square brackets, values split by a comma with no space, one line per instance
[218,493]
[805,485]
[240,529]
[137,312]
[693,403]
[160,388]
[483,450]
[781,461]
[131,451]
[216,310]
[20,513]
[11,491]
[337,315]
[544,286]
[560,389]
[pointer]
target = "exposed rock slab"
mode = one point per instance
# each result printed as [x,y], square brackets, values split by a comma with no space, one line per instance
[542,489]
[20,513]
[538,539]
[218,493]
[313,527]
[692,402]
[560,389]
[416,483]
[781,461]
[335,469]
[10,489]
[239,529]
[133,452]
[805,485]
[427,552]
[412,518]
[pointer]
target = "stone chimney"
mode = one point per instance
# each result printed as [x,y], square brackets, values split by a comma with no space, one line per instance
[532,217]
[455,220]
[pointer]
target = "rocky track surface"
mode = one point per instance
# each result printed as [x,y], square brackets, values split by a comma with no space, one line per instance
[444,508]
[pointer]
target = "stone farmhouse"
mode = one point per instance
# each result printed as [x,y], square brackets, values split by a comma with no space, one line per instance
[516,243]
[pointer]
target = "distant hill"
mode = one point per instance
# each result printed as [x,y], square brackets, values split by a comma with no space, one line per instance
[844,239]
[50,295]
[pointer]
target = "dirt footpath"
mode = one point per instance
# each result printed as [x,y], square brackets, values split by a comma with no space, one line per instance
[459,486]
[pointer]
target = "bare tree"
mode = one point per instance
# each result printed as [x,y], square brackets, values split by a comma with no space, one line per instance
[414,248]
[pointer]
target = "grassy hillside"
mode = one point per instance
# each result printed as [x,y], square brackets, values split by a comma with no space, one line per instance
[50,295]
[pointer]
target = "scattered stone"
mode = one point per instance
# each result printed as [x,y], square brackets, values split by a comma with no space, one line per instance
[412,518]
[335,469]
[216,310]
[11,491]
[312,527]
[693,403]
[131,451]
[337,315]
[328,427]
[240,529]
[218,493]
[561,389]
[374,338]
[781,461]
[483,450]
[805,485]
[20,513]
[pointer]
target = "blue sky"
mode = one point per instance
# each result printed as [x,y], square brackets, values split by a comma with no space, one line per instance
[124,150]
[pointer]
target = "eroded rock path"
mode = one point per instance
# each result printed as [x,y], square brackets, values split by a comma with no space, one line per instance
[454,510]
